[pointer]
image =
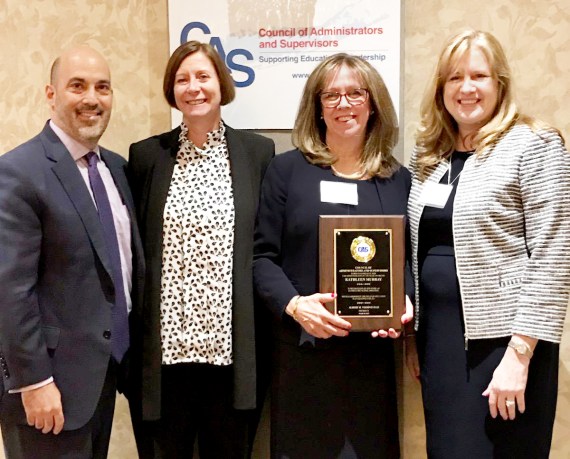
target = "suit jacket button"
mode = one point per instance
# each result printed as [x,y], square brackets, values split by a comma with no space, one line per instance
[107,334]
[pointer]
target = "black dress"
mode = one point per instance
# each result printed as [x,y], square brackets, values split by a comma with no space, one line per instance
[453,378]
[331,398]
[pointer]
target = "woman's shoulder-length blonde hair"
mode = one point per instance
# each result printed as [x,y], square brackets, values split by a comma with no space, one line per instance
[437,134]
[309,132]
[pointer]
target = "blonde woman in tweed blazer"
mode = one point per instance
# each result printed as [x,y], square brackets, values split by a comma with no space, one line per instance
[489,215]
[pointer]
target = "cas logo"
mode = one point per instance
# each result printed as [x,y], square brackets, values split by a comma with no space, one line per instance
[231,59]
[363,249]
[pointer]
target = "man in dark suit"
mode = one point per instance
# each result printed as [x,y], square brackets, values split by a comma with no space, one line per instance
[69,260]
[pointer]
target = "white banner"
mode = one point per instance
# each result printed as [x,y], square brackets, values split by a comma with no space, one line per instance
[271,46]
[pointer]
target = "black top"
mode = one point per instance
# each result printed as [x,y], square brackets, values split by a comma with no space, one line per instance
[436,224]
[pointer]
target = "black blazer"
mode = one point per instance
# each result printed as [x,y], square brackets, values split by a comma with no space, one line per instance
[151,163]
[56,287]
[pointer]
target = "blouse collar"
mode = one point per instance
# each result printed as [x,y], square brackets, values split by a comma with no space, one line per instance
[214,138]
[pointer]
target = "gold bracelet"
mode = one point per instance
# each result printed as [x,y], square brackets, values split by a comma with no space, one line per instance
[293,312]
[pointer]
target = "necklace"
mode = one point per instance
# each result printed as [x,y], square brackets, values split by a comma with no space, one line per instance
[354,176]
[449,172]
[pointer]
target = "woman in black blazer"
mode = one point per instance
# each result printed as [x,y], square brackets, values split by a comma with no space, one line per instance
[196,191]
[333,392]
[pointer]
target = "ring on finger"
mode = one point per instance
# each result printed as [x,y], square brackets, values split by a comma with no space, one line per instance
[509,403]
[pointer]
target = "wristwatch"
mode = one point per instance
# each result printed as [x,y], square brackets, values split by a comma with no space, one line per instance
[521,348]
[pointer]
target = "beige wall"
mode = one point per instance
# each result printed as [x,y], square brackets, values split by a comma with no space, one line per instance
[133,36]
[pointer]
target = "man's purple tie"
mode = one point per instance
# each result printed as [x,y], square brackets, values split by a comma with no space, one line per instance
[120,332]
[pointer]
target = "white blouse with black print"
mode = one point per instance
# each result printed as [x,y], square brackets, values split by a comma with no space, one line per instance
[196,287]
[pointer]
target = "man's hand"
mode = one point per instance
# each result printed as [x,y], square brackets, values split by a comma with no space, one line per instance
[43,408]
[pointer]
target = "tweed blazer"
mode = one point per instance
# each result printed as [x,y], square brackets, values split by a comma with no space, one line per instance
[511,231]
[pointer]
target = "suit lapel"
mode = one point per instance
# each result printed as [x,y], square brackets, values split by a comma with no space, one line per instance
[70,178]
[241,183]
[162,175]
[434,174]
[391,196]
[118,173]
[153,216]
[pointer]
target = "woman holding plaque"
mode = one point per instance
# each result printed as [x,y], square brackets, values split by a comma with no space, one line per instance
[490,225]
[333,392]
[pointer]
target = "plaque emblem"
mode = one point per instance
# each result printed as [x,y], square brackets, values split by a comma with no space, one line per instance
[362,249]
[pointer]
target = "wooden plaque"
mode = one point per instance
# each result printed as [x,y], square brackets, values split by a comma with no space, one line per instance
[362,259]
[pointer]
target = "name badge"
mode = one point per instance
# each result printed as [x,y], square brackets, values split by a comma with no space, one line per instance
[435,194]
[339,193]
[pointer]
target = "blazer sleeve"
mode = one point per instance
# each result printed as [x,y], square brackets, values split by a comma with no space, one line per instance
[270,281]
[544,194]
[23,351]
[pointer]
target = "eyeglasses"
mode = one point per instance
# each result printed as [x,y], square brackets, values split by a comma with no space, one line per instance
[354,97]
